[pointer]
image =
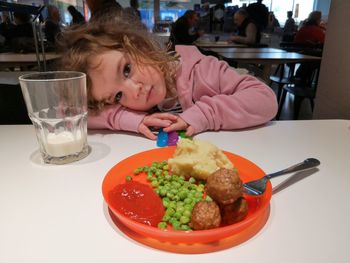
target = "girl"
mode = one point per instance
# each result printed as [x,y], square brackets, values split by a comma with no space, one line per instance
[129,74]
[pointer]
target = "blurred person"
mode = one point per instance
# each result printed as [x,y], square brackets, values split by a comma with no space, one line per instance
[259,13]
[311,32]
[100,8]
[218,16]
[52,24]
[77,17]
[289,28]
[133,9]
[22,27]
[247,31]
[273,23]
[313,35]
[5,24]
[19,36]
[184,30]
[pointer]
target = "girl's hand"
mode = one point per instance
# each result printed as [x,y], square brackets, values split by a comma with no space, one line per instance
[180,124]
[158,120]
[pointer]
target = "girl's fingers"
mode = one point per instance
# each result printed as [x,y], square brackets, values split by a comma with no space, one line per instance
[147,132]
[165,116]
[158,123]
[173,127]
[189,131]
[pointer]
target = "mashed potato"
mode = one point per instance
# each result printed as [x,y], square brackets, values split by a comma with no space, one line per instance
[198,159]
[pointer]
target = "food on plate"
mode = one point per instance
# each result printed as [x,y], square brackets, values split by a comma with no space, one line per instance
[198,159]
[205,215]
[235,212]
[194,187]
[178,195]
[224,186]
[137,201]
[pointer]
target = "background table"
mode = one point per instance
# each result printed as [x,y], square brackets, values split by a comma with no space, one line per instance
[23,60]
[219,44]
[247,50]
[57,213]
[267,59]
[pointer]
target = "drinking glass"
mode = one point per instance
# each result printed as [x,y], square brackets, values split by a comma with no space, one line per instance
[57,106]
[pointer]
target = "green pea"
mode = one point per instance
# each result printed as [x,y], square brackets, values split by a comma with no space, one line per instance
[188,207]
[170,195]
[166,218]
[184,220]
[187,213]
[162,192]
[128,178]
[198,195]
[165,203]
[208,198]
[187,200]
[162,225]
[177,215]
[192,180]
[176,198]
[172,204]
[173,220]
[180,209]
[179,203]
[170,211]
[168,177]
[185,228]
[138,170]
[176,225]
[154,183]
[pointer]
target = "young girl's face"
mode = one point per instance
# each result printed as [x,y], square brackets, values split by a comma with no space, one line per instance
[117,79]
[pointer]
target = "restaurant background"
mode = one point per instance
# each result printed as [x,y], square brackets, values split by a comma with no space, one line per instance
[170,11]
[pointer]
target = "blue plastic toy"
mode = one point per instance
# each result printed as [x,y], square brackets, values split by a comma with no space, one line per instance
[162,138]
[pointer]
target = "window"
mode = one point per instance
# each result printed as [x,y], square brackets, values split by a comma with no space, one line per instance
[301,8]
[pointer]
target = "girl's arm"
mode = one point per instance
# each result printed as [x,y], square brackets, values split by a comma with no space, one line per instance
[226,100]
[116,118]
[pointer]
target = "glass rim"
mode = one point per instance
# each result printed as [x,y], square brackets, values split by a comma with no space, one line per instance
[75,75]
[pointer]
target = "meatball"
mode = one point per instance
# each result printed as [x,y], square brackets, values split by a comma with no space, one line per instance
[235,212]
[224,186]
[205,215]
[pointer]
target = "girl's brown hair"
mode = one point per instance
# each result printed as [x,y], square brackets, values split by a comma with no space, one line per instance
[81,42]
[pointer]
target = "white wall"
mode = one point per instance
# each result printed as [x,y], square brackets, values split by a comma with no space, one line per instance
[333,94]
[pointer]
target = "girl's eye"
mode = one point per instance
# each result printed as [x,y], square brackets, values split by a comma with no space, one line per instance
[118,97]
[127,70]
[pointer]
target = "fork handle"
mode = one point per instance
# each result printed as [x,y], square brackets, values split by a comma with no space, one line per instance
[306,164]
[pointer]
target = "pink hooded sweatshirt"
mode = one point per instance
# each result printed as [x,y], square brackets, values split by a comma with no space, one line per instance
[213,96]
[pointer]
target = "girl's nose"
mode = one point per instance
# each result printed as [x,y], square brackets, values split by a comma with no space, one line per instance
[136,89]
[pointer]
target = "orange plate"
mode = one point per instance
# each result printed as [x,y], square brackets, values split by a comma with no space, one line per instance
[232,234]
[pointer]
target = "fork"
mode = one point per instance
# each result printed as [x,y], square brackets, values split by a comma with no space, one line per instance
[258,187]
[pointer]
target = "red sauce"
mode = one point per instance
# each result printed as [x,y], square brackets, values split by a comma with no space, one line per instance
[138,202]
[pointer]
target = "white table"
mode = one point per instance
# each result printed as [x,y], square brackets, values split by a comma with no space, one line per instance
[11,59]
[57,213]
